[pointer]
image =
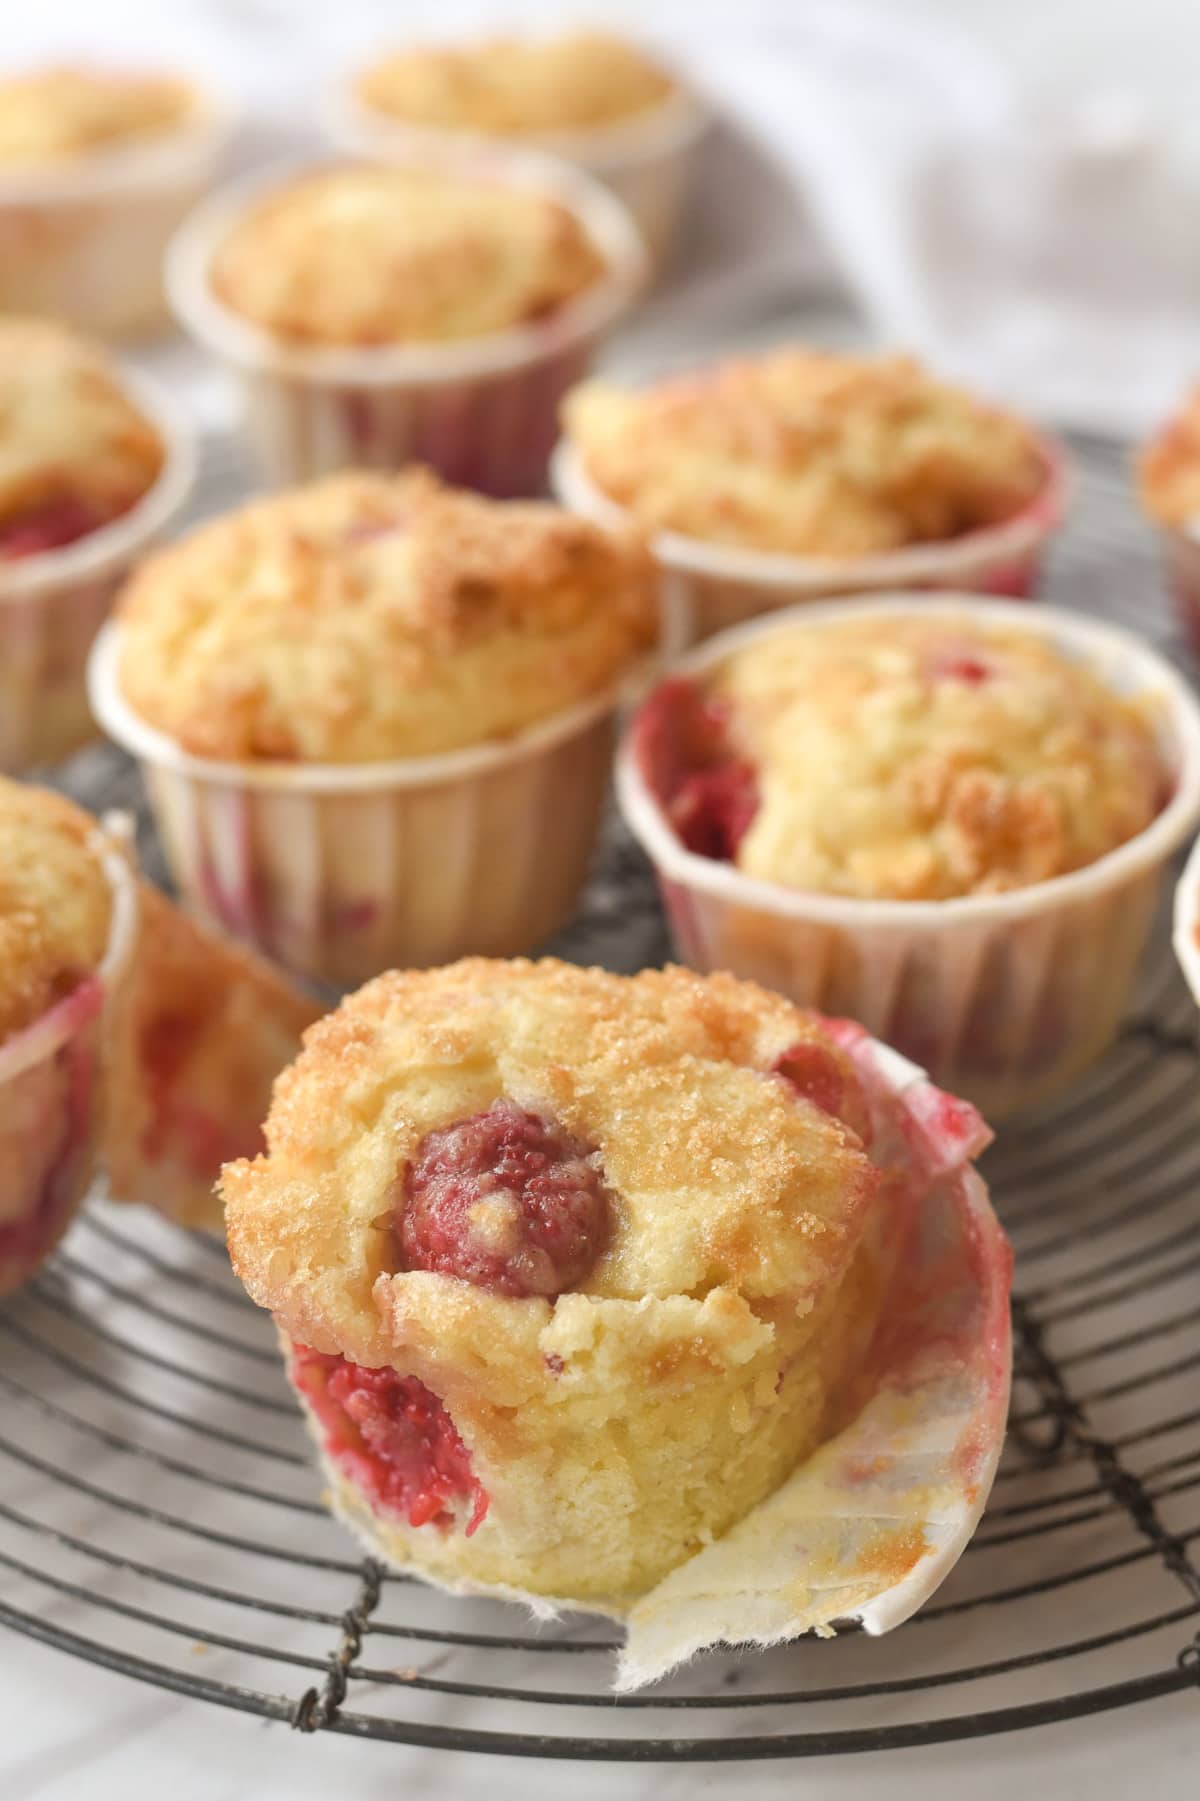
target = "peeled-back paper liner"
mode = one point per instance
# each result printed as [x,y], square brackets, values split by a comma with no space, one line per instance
[482,412]
[870,1525]
[708,588]
[52,1079]
[1004,997]
[649,162]
[85,242]
[53,604]
[199,1033]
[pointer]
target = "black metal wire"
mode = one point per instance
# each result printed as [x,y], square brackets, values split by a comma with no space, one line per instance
[131,1486]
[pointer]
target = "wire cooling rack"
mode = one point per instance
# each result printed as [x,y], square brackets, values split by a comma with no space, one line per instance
[159,1514]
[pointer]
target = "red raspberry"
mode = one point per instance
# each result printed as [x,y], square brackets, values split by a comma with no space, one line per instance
[48,527]
[819,1074]
[392,1437]
[507,1201]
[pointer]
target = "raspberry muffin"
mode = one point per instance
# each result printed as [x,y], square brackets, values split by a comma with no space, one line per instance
[97,167]
[90,468]
[432,308]
[571,1268]
[585,95]
[917,811]
[359,704]
[66,928]
[131,1040]
[517,87]
[1168,479]
[801,472]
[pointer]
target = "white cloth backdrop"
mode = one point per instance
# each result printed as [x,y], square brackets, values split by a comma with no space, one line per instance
[1048,253]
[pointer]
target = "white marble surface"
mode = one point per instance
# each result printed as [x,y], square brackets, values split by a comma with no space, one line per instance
[83,1733]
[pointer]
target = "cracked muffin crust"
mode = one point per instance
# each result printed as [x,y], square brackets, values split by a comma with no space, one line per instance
[374,616]
[517,87]
[806,453]
[63,113]
[365,254]
[905,758]
[76,451]
[567,1263]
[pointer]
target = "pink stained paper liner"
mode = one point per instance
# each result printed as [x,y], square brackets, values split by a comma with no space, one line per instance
[874,1521]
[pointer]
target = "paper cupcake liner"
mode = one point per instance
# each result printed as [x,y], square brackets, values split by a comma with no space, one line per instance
[338,872]
[649,162]
[52,1075]
[870,1525]
[482,413]
[86,244]
[1004,998]
[53,604]
[708,588]
[198,1035]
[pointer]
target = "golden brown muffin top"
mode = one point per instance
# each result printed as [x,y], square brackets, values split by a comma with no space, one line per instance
[61,113]
[55,902]
[517,87]
[371,616]
[806,452]
[1168,468]
[69,429]
[921,758]
[723,1180]
[362,254]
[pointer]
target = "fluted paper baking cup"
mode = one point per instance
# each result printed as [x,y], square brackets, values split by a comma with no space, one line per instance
[483,413]
[870,1525]
[338,871]
[85,242]
[708,588]
[648,162]
[1003,997]
[53,603]
[51,1080]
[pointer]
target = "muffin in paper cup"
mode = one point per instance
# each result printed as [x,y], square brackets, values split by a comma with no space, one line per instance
[1004,997]
[649,162]
[708,588]
[482,412]
[53,1076]
[587,1347]
[53,603]
[84,241]
[340,871]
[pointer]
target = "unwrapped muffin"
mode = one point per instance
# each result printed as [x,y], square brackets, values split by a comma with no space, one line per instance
[360,704]
[571,1267]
